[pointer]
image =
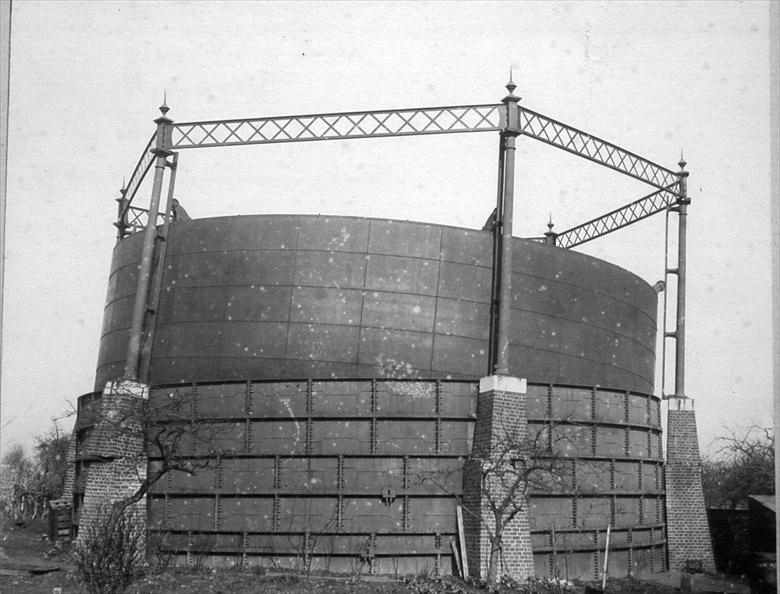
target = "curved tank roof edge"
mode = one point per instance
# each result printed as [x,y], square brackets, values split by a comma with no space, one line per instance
[402,221]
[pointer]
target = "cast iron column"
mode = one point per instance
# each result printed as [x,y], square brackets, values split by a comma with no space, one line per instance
[682,211]
[495,280]
[153,300]
[508,135]
[147,254]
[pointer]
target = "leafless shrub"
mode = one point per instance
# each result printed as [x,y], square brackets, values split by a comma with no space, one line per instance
[159,551]
[200,548]
[111,553]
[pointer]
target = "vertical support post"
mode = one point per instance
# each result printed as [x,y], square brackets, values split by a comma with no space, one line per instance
[682,211]
[665,335]
[496,280]
[687,528]
[153,301]
[147,253]
[504,218]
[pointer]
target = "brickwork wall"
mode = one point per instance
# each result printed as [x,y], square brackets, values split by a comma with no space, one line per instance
[499,413]
[117,429]
[70,474]
[688,531]
[117,462]
[477,541]
[63,507]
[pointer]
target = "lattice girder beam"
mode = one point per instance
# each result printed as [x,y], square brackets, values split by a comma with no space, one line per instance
[618,218]
[333,126]
[140,171]
[595,149]
[412,122]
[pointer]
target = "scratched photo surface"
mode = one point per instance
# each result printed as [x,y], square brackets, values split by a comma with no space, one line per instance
[364,210]
[653,78]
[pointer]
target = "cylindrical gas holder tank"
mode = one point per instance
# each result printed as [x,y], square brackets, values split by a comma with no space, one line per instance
[278,297]
[338,358]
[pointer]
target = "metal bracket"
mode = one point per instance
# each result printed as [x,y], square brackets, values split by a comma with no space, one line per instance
[388,495]
[367,554]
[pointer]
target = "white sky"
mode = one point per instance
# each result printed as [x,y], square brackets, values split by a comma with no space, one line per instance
[87,77]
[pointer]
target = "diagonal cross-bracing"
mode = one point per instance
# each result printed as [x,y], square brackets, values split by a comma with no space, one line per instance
[617,219]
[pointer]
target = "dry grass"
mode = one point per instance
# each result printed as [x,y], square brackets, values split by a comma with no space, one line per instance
[28,544]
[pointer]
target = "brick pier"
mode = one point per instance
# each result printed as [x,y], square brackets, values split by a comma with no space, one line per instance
[688,532]
[501,412]
[113,454]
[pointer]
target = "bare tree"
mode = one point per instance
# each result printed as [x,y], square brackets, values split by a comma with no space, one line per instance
[34,481]
[744,464]
[51,453]
[147,438]
[17,499]
[163,430]
[519,463]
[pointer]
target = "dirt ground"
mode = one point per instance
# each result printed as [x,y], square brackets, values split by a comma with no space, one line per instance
[27,546]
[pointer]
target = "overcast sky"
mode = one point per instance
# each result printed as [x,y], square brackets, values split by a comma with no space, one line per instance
[87,77]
